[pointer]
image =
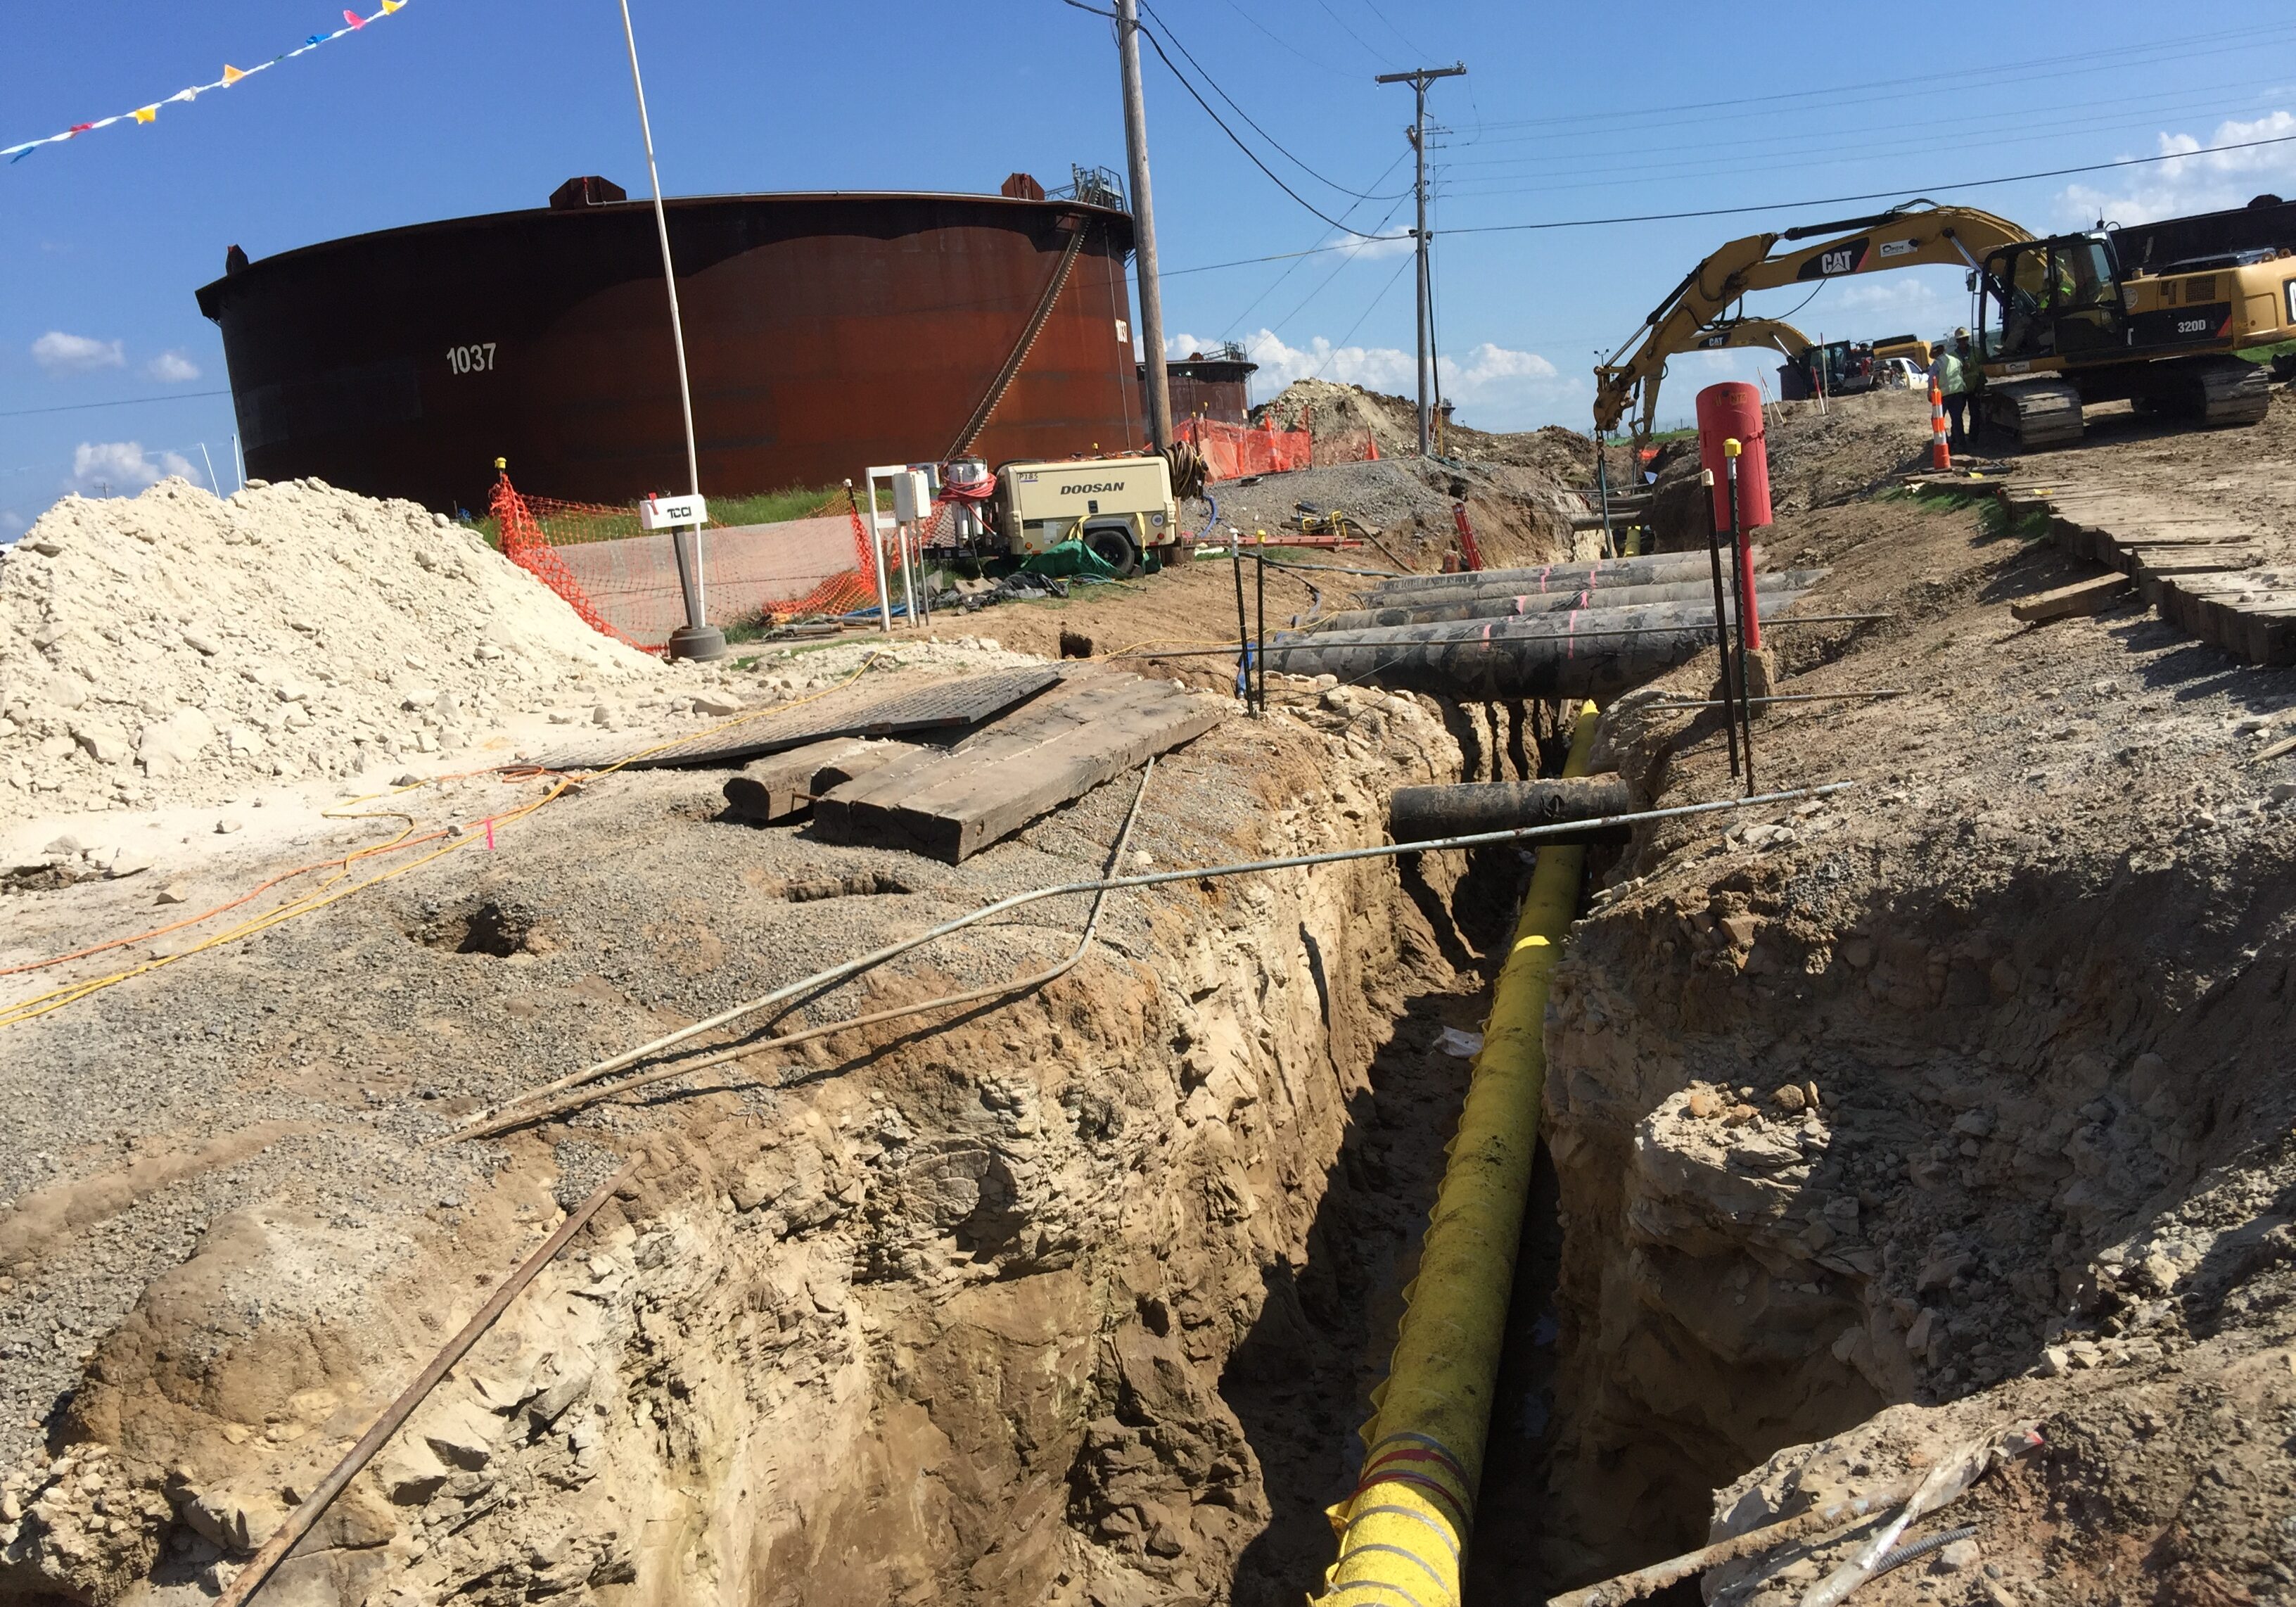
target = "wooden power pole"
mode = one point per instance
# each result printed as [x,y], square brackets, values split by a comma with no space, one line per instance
[1144,226]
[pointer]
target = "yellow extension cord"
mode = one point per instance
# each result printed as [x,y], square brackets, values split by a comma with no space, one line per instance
[1403,1533]
[71,993]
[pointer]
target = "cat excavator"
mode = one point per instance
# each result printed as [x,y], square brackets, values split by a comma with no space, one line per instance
[2150,314]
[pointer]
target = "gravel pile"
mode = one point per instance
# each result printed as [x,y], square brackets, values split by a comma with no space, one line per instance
[174,648]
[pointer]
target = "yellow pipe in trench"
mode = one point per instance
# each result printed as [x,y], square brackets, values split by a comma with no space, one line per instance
[1403,1533]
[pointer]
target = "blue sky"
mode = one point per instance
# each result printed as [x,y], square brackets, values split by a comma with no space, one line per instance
[455,107]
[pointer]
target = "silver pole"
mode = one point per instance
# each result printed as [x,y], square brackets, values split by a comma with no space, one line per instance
[698,639]
[1143,225]
[238,461]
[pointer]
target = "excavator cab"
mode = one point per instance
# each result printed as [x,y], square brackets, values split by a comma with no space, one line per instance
[2056,298]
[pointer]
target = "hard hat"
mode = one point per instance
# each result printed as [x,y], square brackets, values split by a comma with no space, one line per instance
[1962,334]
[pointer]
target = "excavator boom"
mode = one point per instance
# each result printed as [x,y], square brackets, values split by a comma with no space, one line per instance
[1916,233]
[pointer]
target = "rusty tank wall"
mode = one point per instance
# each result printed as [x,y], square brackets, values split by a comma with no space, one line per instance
[825,334]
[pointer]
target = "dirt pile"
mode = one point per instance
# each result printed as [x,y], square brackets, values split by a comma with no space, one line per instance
[173,647]
[1326,408]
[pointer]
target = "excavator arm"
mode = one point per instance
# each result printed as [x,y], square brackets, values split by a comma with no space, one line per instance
[1916,233]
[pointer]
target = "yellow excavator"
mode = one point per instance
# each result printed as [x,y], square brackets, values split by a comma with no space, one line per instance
[2150,314]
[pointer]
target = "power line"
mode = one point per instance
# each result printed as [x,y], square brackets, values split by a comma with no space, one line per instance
[1278,282]
[1248,118]
[1781,206]
[2021,72]
[1833,200]
[2207,102]
[130,401]
[1350,32]
[1384,290]
[1250,154]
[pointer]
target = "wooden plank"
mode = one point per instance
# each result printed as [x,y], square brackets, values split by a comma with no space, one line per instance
[953,806]
[783,785]
[2089,597]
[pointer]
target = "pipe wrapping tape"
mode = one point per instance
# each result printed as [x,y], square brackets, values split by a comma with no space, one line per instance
[1409,1519]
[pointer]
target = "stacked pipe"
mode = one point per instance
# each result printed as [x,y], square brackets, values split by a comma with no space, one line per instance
[1410,610]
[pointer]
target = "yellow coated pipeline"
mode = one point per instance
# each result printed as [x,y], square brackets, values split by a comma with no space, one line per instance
[1403,1532]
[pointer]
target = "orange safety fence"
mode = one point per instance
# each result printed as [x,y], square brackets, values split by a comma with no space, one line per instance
[1232,451]
[623,579]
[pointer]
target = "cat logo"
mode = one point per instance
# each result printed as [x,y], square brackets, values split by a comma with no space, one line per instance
[1847,257]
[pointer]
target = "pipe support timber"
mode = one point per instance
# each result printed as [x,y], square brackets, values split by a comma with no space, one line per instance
[1403,1534]
[1426,814]
[1411,612]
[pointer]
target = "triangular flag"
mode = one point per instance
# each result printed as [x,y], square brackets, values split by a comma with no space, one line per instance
[147,114]
[390,7]
[354,20]
[77,128]
[182,95]
[231,75]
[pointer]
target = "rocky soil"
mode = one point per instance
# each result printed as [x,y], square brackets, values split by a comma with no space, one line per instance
[1964,1095]
[1021,1307]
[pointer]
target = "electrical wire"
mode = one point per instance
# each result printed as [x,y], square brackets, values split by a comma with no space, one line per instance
[126,401]
[1779,206]
[812,985]
[521,1110]
[1351,32]
[1253,156]
[1181,45]
[1279,281]
[2022,73]
[1342,344]
[1835,201]
[1329,279]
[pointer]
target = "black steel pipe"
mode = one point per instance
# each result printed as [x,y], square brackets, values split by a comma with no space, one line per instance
[1502,607]
[1419,814]
[1504,659]
[1545,578]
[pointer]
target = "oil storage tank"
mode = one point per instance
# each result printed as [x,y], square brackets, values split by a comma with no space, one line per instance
[825,333]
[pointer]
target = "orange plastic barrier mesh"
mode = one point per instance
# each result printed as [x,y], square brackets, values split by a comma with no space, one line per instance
[1232,451]
[623,579]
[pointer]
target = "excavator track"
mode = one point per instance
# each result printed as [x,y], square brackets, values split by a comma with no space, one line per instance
[2212,391]
[2038,413]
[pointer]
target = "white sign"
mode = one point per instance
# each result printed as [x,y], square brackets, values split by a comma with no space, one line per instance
[671,512]
[1123,332]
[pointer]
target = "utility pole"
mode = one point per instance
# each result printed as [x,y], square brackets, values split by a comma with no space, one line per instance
[1144,226]
[1419,78]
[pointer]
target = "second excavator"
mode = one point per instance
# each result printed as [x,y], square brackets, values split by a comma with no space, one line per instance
[2152,314]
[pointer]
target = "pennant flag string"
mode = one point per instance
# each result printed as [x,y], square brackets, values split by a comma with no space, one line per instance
[352,22]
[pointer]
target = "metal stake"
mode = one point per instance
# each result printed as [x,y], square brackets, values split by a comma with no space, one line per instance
[1259,636]
[1243,625]
[1721,633]
[1737,560]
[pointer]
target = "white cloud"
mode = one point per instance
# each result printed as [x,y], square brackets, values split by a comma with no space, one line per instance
[2196,183]
[123,468]
[11,524]
[172,368]
[60,353]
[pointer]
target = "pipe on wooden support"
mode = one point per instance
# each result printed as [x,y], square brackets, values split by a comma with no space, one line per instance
[1578,654]
[1410,611]
[1403,1532]
[1557,577]
[1423,814]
